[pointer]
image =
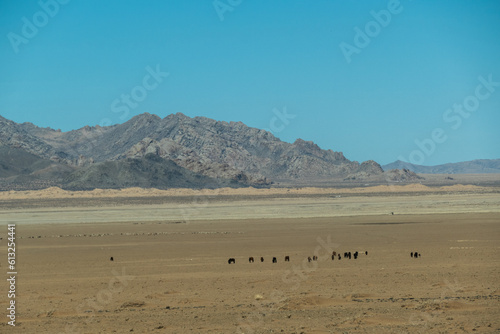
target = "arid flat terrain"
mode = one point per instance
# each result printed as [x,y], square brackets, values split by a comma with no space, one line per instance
[170,271]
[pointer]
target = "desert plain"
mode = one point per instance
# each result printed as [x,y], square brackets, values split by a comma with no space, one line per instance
[170,250]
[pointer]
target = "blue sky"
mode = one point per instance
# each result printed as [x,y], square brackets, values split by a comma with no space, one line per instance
[373,79]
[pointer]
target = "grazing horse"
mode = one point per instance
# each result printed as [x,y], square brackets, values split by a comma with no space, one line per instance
[415,255]
[231,260]
[333,256]
[315,258]
[250,259]
[340,258]
[411,254]
[309,259]
[366,252]
[261,259]
[287,258]
[275,260]
[111,259]
[334,253]
[355,255]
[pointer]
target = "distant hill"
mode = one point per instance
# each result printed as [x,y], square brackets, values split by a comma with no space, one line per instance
[180,151]
[16,161]
[481,166]
[214,152]
[147,172]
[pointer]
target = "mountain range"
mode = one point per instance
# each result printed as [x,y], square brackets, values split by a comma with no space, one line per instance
[176,151]
[479,166]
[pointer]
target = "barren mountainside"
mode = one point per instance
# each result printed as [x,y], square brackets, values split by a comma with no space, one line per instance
[479,166]
[231,153]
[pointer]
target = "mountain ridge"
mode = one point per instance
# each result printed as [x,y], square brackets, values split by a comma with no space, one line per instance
[147,150]
[232,147]
[477,166]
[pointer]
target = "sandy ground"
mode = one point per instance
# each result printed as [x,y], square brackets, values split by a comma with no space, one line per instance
[170,272]
[55,192]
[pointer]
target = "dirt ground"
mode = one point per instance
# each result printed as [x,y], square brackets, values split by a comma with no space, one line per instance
[170,271]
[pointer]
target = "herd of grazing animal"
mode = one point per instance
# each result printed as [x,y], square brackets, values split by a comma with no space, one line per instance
[415,255]
[347,255]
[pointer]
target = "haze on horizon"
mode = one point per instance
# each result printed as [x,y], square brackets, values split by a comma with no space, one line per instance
[379,80]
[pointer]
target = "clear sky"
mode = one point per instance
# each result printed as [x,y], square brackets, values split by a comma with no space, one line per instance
[381,80]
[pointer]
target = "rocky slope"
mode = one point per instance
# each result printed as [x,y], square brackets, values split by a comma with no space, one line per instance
[480,166]
[402,175]
[231,153]
[151,171]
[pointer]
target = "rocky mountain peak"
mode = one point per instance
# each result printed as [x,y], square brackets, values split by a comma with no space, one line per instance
[215,149]
[371,166]
[306,145]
